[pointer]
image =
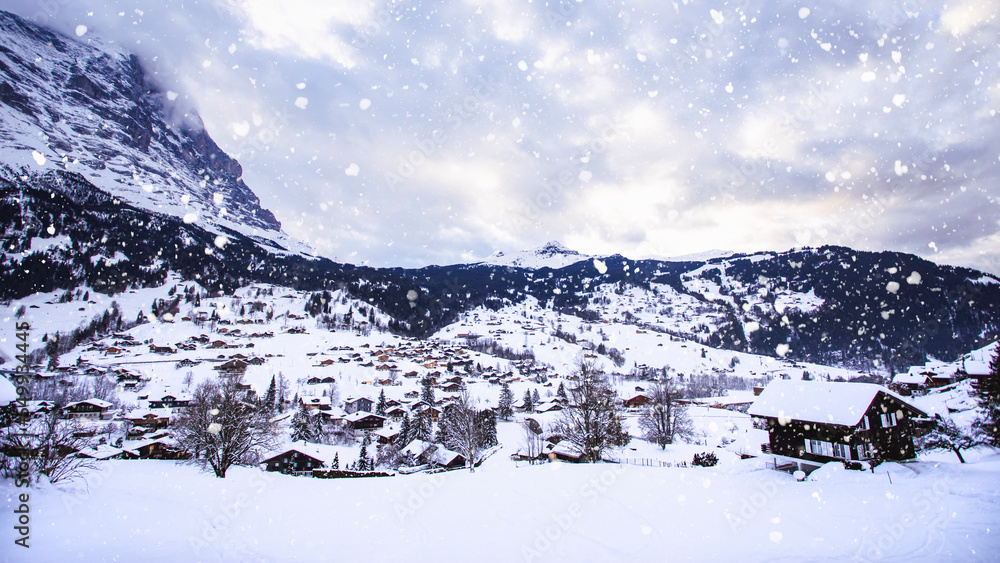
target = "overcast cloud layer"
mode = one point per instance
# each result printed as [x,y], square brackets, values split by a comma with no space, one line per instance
[413,133]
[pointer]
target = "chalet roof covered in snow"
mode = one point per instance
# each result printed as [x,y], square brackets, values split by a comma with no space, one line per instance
[101,404]
[818,401]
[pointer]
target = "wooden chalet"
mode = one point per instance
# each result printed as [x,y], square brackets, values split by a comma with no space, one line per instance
[360,422]
[154,448]
[172,401]
[811,422]
[636,401]
[232,367]
[91,409]
[316,403]
[299,459]
[353,405]
[149,419]
[435,455]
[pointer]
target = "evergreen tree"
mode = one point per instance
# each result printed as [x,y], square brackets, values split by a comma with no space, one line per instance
[406,430]
[535,399]
[447,427]
[422,428]
[529,404]
[506,406]
[336,461]
[380,406]
[561,391]
[427,392]
[304,427]
[488,428]
[987,424]
[364,464]
[269,398]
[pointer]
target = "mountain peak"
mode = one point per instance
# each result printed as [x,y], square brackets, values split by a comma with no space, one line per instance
[91,109]
[552,254]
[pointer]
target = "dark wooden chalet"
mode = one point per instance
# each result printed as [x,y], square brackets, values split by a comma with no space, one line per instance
[812,422]
[296,460]
[358,422]
[636,401]
[156,448]
[93,409]
[169,400]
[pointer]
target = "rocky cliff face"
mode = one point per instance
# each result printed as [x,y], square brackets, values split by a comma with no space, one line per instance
[92,110]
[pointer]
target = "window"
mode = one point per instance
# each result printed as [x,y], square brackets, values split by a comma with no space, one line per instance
[865,425]
[819,447]
[888,419]
[843,451]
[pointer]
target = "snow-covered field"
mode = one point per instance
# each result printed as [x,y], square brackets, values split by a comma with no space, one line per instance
[932,510]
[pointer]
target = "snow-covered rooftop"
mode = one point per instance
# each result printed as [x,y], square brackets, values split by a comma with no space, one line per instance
[818,401]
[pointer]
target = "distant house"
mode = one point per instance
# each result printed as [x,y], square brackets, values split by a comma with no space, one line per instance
[155,448]
[811,422]
[914,380]
[101,452]
[396,414]
[334,417]
[314,403]
[169,400]
[149,419]
[299,459]
[233,367]
[353,405]
[636,401]
[93,409]
[433,454]
[361,421]
[979,373]
[386,434]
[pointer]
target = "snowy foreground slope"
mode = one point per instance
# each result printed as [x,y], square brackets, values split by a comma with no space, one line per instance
[933,510]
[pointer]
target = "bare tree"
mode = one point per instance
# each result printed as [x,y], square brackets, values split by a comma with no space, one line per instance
[221,428]
[665,418]
[532,443]
[592,421]
[48,445]
[464,432]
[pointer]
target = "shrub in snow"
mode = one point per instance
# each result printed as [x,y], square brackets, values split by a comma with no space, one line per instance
[705,459]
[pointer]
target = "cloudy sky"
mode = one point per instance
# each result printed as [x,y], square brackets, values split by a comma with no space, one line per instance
[410,133]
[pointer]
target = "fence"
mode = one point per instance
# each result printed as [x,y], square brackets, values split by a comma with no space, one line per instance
[647,462]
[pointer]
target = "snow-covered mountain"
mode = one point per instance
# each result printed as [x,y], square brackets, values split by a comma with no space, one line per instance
[105,183]
[552,254]
[88,107]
